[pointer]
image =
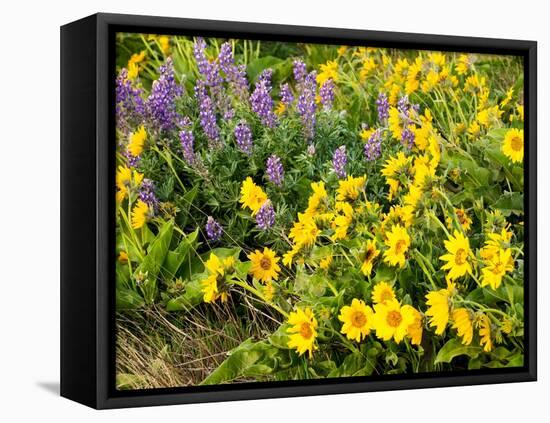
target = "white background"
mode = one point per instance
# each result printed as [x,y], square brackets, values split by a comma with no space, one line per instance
[29,207]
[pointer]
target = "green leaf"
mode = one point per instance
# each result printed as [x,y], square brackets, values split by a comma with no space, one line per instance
[510,202]
[256,66]
[242,360]
[192,296]
[174,259]
[127,299]
[453,348]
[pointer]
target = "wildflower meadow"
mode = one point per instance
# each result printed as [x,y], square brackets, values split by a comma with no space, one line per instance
[290,211]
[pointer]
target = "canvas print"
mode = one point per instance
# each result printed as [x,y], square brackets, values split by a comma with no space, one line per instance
[294,211]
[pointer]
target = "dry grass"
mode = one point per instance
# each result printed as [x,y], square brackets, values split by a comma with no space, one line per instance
[156,349]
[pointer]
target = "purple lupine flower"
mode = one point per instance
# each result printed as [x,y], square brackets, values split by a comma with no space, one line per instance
[407,137]
[373,146]
[326,92]
[130,107]
[403,105]
[161,103]
[265,218]
[286,95]
[210,71]
[184,122]
[382,106]
[147,194]
[339,161]
[261,101]
[243,135]
[207,115]
[306,104]
[188,146]
[133,161]
[311,149]
[299,70]
[235,75]
[214,230]
[275,171]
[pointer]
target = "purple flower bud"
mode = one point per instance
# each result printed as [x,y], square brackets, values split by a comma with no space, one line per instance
[306,104]
[130,108]
[214,230]
[243,135]
[275,172]
[382,107]
[326,92]
[147,194]
[311,149]
[187,145]
[261,101]
[133,161]
[339,161]
[373,146]
[265,218]
[286,95]
[207,115]
[299,70]
[161,103]
[407,137]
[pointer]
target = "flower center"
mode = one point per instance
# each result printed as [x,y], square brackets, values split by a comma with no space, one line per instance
[498,268]
[394,318]
[460,256]
[305,330]
[516,143]
[369,255]
[358,319]
[386,295]
[400,246]
[265,263]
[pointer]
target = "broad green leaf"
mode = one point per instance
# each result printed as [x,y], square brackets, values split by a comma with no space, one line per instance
[192,296]
[174,259]
[453,348]
[127,299]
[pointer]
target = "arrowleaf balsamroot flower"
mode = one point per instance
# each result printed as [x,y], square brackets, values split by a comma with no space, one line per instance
[462,322]
[512,145]
[264,265]
[137,140]
[496,267]
[302,331]
[457,259]
[140,214]
[368,257]
[252,196]
[398,242]
[382,292]
[357,320]
[391,320]
[439,307]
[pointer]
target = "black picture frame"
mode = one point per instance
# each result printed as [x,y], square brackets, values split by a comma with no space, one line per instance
[87,210]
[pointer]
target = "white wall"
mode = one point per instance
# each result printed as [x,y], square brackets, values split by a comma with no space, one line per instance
[29,208]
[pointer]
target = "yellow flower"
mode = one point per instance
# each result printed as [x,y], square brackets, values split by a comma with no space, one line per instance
[508,98]
[126,179]
[164,42]
[140,214]
[382,292]
[484,325]
[495,242]
[398,242]
[487,117]
[342,50]
[123,257]
[133,70]
[216,268]
[463,219]
[289,255]
[368,66]
[512,146]
[365,134]
[463,65]
[210,288]
[496,267]
[415,329]
[392,321]
[264,265]
[325,262]
[328,71]
[439,307]
[281,107]
[305,231]
[350,188]
[137,139]
[458,248]
[394,123]
[269,292]
[370,254]
[303,331]
[252,196]
[357,320]
[462,322]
